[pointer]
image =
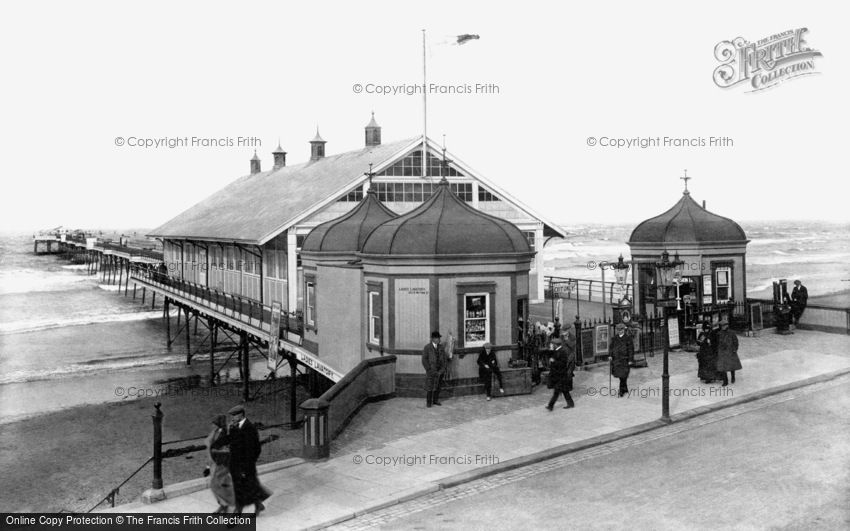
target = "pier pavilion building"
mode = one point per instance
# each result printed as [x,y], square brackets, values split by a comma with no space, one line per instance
[237,254]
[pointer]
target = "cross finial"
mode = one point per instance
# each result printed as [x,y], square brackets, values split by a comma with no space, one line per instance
[370,174]
[686,179]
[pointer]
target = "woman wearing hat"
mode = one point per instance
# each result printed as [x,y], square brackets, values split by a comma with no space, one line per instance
[221,483]
[622,352]
[488,365]
[707,355]
[727,352]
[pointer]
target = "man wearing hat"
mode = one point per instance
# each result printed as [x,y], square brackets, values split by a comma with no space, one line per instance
[434,360]
[799,299]
[622,352]
[244,452]
[488,365]
[727,352]
[562,364]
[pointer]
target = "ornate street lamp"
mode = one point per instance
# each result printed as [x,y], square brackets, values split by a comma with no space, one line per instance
[666,278]
[621,270]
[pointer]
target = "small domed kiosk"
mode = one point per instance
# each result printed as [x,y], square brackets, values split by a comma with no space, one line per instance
[332,280]
[712,250]
[443,266]
[448,267]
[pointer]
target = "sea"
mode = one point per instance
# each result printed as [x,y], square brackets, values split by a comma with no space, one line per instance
[68,339]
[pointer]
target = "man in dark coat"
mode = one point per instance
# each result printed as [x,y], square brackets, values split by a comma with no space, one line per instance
[727,352]
[435,361]
[622,351]
[488,365]
[562,365]
[799,300]
[244,452]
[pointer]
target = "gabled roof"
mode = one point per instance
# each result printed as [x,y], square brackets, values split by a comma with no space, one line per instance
[256,208]
[687,222]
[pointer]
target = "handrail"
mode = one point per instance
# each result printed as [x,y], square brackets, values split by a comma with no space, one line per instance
[112,493]
[585,289]
[245,309]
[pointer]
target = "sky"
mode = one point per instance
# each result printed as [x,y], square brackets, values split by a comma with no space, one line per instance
[79,75]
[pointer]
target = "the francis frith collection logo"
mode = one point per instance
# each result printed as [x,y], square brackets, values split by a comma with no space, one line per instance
[765,63]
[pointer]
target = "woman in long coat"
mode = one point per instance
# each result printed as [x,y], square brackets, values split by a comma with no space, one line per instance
[622,352]
[488,365]
[727,352]
[221,482]
[707,355]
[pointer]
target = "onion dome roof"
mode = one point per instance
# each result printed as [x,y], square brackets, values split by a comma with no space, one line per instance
[444,225]
[347,233]
[687,222]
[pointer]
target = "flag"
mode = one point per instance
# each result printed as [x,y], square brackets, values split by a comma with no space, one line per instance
[457,40]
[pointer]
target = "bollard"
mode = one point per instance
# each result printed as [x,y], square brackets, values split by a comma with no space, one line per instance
[157,447]
[317,440]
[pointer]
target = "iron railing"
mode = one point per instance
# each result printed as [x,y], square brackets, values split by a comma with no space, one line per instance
[244,309]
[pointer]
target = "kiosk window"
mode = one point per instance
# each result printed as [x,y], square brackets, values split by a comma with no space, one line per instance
[476,319]
[723,284]
[375,311]
[311,304]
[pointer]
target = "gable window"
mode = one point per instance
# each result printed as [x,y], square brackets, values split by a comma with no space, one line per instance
[411,166]
[353,196]
[485,195]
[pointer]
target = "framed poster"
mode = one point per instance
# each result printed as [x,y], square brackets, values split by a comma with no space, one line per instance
[756,319]
[707,289]
[602,332]
[587,345]
[274,335]
[673,331]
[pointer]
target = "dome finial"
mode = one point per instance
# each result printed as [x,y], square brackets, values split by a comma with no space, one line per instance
[686,179]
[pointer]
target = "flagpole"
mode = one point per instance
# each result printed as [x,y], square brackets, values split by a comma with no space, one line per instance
[424,112]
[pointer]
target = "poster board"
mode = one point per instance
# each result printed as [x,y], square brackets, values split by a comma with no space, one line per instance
[274,335]
[707,289]
[756,318]
[587,345]
[673,331]
[602,337]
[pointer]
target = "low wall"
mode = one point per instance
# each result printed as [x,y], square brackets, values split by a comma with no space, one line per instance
[825,319]
[371,380]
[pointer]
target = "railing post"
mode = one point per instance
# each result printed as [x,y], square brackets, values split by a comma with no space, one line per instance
[157,447]
[577,324]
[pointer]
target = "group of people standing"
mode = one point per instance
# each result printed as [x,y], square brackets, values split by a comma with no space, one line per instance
[234,451]
[718,353]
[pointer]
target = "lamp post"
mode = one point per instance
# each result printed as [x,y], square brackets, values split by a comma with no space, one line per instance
[666,277]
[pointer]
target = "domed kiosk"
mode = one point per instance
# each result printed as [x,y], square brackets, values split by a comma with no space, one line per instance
[712,250]
[329,253]
[443,266]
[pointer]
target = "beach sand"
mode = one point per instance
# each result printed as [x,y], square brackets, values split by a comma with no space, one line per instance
[71,459]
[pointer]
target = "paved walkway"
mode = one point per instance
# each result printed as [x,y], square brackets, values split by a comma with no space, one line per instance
[418,450]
